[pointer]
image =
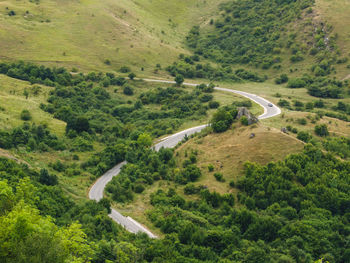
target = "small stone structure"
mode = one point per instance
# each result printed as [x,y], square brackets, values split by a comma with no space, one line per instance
[243,111]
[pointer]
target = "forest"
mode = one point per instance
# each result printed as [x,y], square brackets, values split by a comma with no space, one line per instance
[295,209]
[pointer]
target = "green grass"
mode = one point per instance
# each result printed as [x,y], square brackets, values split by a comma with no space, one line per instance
[83,34]
[229,151]
[13,101]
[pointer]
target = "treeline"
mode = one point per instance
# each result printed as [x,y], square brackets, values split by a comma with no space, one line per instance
[321,87]
[190,67]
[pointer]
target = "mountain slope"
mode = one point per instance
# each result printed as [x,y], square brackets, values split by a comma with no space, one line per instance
[85,34]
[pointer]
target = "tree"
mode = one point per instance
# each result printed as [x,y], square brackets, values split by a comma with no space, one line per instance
[221,120]
[244,121]
[128,91]
[179,79]
[25,115]
[321,130]
[79,124]
[304,136]
[144,140]
[132,75]
[46,178]
[296,83]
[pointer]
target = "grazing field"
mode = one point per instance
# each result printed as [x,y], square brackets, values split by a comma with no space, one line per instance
[103,35]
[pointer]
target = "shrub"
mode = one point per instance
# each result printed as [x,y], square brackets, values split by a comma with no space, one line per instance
[124,69]
[319,104]
[132,75]
[210,167]
[321,130]
[191,189]
[304,136]
[219,177]
[128,91]
[139,188]
[302,121]
[244,120]
[179,79]
[221,120]
[283,103]
[283,78]
[25,115]
[214,104]
[46,178]
[296,83]
[205,97]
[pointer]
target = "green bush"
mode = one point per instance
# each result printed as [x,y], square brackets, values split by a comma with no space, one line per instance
[210,167]
[321,130]
[244,120]
[304,136]
[124,69]
[219,177]
[25,115]
[214,104]
[127,90]
[296,83]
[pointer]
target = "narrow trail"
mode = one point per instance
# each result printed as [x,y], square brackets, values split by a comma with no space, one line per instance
[96,191]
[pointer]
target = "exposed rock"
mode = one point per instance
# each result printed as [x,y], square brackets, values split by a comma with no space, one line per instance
[284,130]
[243,111]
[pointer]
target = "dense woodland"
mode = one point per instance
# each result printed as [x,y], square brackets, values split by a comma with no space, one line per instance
[294,210]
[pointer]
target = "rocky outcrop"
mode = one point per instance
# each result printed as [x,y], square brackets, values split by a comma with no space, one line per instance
[243,111]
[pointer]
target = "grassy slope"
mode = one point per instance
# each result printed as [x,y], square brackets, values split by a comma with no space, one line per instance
[139,33]
[13,101]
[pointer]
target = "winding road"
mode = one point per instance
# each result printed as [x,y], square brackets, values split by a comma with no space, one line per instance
[96,191]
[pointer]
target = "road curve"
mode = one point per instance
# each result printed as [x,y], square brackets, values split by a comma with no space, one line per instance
[96,191]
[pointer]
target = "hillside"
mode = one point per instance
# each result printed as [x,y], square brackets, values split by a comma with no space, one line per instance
[99,102]
[85,34]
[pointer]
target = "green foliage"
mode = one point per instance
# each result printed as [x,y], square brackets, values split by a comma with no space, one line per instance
[219,177]
[34,137]
[244,121]
[127,90]
[339,146]
[179,79]
[248,32]
[25,115]
[302,121]
[283,78]
[304,136]
[124,69]
[223,118]
[144,140]
[190,67]
[296,83]
[283,103]
[321,130]
[132,75]
[46,178]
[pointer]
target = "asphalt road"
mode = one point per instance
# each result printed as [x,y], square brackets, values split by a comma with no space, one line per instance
[96,191]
